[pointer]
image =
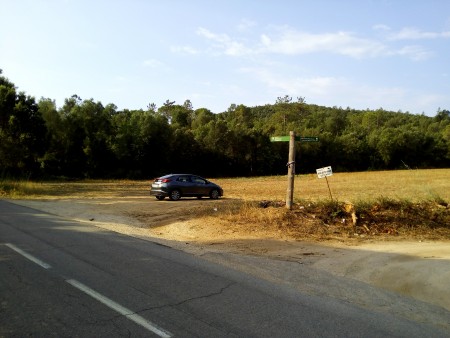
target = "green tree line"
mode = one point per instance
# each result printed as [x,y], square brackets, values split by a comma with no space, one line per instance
[86,139]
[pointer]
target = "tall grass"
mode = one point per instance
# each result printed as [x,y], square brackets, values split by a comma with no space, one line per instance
[24,189]
[21,189]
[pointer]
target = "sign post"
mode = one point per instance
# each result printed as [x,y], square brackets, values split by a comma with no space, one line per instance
[291,161]
[325,172]
[291,171]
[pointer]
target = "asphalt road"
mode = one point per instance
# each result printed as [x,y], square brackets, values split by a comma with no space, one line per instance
[59,278]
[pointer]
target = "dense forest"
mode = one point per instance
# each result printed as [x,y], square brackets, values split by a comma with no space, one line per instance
[86,139]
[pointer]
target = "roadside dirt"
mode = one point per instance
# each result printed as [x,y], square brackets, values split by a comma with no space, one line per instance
[419,269]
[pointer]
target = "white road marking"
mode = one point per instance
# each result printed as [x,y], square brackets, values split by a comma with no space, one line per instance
[27,255]
[94,294]
[120,309]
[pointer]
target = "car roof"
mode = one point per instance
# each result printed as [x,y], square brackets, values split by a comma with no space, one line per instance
[170,175]
[175,175]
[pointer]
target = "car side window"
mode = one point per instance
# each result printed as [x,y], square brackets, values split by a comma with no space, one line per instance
[183,179]
[198,180]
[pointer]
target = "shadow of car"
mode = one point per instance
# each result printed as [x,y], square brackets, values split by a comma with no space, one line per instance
[176,186]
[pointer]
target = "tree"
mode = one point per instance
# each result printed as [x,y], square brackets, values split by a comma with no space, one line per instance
[51,161]
[22,132]
[442,115]
[85,147]
[141,143]
[96,122]
[179,116]
[84,138]
[284,99]
[151,107]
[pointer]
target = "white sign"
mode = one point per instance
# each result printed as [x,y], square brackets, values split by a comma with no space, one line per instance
[324,172]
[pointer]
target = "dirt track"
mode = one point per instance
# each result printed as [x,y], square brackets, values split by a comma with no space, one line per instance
[417,269]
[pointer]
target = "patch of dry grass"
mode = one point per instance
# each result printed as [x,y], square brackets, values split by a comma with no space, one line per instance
[72,189]
[325,220]
[406,203]
[414,185]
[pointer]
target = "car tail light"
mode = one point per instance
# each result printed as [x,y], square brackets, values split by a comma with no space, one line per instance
[166,180]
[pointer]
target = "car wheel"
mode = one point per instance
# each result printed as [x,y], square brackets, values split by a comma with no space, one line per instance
[175,195]
[214,194]
[159,198]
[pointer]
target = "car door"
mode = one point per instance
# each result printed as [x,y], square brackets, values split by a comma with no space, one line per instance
[199,185]
[184,184]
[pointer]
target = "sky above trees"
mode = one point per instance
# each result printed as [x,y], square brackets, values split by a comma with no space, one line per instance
[359,54]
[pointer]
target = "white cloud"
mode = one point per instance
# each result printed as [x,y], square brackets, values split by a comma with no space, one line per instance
[222,42]
[381,27]
[345,92]
[152,63]
[287,41]
[291,42]
[317,86]
[344,43]
[155,65]
[184,50]
[416,53]
[245,25]
[410,33]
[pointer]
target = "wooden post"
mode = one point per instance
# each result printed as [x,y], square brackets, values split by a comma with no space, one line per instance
[329,188]
[291,171]
[291,164]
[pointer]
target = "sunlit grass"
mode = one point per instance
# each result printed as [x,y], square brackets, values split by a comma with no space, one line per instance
[387,201]
[413,185]
[400,203]
[21,189]
[74,189]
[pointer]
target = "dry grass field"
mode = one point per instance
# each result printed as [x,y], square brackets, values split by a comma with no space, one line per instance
[397,204]
[412,185]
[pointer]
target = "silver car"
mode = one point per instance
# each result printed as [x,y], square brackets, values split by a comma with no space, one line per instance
[176,186]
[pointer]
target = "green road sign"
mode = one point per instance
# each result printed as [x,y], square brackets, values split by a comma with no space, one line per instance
[307,139]
[297,138]
[280,139]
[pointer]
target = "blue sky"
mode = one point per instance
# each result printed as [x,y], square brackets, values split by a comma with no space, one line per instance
[362,54]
